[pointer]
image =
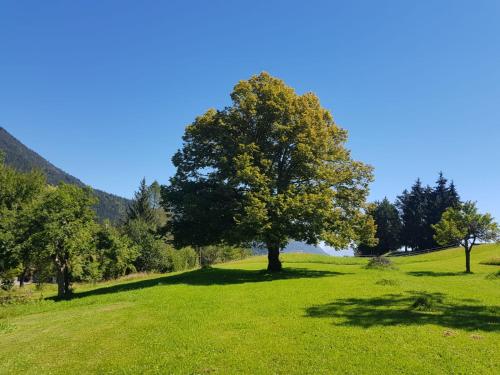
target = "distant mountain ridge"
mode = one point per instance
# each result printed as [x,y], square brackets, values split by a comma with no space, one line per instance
[22,158]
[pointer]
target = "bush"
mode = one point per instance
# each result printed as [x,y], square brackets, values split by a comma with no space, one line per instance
[426,302]
[380,263]
[117,252]
[182,259]
[222,253]
[7,279]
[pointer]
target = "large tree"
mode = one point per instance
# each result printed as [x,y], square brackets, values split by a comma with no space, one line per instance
[465,225]
[278,162]
[388,232]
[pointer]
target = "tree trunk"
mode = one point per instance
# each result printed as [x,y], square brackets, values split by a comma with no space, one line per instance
[273,257]
[63,282]
[67,285]
[22,276]
[467,260]
[60,282]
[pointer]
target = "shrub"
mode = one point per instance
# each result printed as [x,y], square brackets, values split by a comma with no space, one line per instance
[182,259]
[426,302]
[7,279]
[222,253]
[380,263]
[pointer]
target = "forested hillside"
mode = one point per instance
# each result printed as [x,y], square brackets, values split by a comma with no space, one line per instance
[24,159]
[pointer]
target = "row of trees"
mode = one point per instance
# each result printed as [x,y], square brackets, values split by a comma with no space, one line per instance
[426,217]
[270,168]
[409,221]
[49,232]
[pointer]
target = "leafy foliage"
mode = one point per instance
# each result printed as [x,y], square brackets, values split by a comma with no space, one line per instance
[276,163]
[380,262]
[388,233]
[18,194]
[465,225]
[116,252]
[62,227]
[421,208]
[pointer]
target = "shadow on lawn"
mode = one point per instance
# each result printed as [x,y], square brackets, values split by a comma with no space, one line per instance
[399,309]
[211,276]
[436,274]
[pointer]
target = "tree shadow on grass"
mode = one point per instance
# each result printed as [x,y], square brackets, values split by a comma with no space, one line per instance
[211,276]
[436,274]
[400,309]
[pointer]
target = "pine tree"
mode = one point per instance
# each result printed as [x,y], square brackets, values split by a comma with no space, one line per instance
[412,208]
[421,208]
[140,207]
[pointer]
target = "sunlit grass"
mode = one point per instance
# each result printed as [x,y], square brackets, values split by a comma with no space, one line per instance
[323,315]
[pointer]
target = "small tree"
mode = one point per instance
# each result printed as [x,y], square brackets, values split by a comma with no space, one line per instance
[466,226]
[140,207]
[116,252]
[63,228]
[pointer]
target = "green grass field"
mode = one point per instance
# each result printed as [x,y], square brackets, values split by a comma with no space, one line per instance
[323,315]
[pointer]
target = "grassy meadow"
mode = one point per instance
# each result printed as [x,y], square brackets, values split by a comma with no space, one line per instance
[322,315]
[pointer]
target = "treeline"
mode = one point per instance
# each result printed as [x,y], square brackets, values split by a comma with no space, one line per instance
[409,221]
[51,233]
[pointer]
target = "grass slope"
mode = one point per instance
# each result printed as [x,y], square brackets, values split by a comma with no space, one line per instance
[321,316]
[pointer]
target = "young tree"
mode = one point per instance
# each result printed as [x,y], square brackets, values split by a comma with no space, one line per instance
[465,225]
[116,252]
[439,199]
[63,228]
[160,215]
[140,207]
[280,161]
[388,233]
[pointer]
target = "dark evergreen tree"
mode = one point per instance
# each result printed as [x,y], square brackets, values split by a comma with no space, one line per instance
[412,206]
[421,208]
[140,208]
[386,217]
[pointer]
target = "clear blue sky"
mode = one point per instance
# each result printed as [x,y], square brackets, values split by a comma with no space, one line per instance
[104,89]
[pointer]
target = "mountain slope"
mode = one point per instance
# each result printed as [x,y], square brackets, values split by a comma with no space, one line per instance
[20,157]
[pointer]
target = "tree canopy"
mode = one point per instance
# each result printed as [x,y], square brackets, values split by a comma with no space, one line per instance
[464,225]
[388,232]
[280,163]
[63,230]
[421,208]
